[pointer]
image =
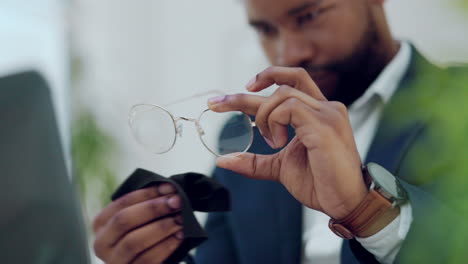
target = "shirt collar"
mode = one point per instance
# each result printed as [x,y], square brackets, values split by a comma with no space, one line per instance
[387,82]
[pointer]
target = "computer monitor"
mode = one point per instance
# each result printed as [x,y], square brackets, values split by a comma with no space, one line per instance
[40,216]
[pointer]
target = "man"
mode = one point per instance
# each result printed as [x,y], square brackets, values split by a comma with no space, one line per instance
[342,77]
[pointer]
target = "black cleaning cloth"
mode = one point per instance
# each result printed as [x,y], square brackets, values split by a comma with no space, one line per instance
[198,193]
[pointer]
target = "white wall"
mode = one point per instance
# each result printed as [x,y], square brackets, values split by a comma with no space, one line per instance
[437,27]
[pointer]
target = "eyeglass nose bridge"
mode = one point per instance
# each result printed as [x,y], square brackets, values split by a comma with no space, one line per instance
[197,125]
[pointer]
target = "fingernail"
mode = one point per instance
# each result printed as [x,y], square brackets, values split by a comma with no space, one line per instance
[267,140]
[277,134]
[251,82]
[270,142]
[165,189]
[178,219]
[226,160]
[232,155]
[179,235]
[174,202]
[216,100]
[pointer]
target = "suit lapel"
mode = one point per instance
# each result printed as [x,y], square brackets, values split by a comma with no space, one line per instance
[400,123]
[389,149]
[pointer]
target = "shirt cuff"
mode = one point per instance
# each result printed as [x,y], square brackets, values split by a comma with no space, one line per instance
[386,244]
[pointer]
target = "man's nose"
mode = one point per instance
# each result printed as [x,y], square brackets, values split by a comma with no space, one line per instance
[294,49]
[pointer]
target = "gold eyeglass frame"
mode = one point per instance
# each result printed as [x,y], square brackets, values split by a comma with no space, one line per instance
[177,128]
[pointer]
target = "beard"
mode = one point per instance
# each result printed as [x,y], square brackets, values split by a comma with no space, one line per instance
[345,80]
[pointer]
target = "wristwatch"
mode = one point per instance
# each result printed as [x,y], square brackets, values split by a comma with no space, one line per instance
[380,206]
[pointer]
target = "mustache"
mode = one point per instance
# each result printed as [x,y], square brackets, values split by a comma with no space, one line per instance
[315,68]
[338,67]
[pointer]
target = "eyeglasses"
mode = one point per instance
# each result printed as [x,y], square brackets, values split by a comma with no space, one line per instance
[156,129]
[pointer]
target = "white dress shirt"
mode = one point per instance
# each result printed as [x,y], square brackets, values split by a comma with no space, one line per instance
[321,245]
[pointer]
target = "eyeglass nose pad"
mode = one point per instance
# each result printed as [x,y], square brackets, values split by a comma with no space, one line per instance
[200,129]
[180,130]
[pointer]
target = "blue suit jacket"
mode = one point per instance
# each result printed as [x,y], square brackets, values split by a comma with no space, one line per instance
[265,224]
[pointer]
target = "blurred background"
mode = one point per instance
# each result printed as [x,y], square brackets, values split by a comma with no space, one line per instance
[102,57]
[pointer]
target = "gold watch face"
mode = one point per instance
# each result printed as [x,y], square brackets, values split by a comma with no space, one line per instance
[385,180]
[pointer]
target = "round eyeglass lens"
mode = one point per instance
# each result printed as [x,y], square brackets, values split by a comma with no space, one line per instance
[153,127]
[226,133]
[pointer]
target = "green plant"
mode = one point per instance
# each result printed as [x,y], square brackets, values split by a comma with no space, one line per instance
[91,151]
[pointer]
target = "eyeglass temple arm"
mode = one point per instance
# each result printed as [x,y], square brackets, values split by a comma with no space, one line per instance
[219,92]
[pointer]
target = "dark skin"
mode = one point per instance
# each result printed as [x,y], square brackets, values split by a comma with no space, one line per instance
[325,54]
[127,233]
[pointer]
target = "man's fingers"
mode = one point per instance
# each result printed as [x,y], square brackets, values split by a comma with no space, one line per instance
[129,200]
[246,103]
[141,239]
[262,107]
[134,216]
[161,251]
[282,94]
[256,166]
[294,77]
[292,111]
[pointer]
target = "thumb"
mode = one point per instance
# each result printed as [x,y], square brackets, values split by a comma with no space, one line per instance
[260,167]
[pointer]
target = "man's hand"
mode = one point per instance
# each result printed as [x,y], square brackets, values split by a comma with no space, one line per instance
[321,166]
[126,230]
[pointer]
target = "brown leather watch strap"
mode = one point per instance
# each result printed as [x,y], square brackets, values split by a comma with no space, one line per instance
[370,216]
